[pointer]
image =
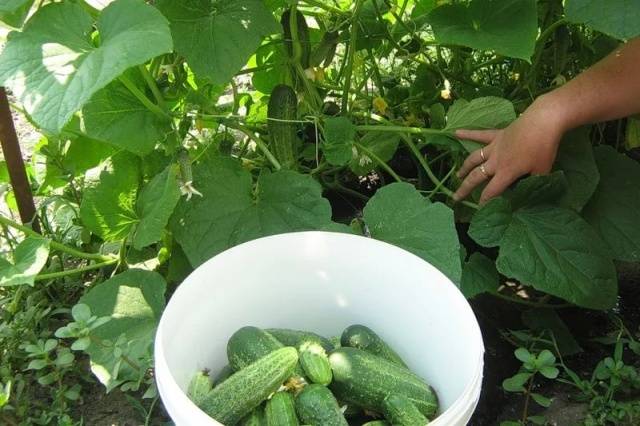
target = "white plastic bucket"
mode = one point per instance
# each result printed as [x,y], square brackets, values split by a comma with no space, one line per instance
[321,282]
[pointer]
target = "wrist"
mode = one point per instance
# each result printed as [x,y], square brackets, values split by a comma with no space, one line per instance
[553,112]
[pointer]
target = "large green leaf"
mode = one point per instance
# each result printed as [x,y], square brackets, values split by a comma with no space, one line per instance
[115,116]
[575,159]
[400,215]
[54,68]
[29,258]
[479,275]
[617,18]
[14,12]
[108,207]
[556,251]
[217,38]
[231,212]
[615,207]
[134,301]
[491,222]
[339,136]
[156,203]
[508,27]
[481,113]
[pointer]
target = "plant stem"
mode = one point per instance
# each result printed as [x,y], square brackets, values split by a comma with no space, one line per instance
[380,162]
[152,85]
[142,98]
[322,5]
[54,275]
[449,193]
[525,411]
[403,129]
[260,144]
[351,58]
[54,244]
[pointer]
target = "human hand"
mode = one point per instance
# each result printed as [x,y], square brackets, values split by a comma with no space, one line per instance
[528,146]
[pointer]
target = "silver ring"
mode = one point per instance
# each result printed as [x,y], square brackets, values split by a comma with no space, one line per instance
[484,171]
[484,159]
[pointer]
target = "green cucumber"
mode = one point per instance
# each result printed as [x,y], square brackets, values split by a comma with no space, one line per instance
[254,418]
[325,51]
[245,390]
[362,337]
[282,112]
[364,379]
[302,36]
[296,338]
[399,410]
[199,387]
[317,406]
[248,345]
[315,363]
[223,375]
[281,410]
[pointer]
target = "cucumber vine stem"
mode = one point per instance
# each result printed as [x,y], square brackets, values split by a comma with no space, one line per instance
[142,98]
[351,57]
[68,272]
[259,143]
[152,85]
[54,244]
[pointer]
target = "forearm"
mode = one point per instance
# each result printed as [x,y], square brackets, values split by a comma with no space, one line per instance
[608,90]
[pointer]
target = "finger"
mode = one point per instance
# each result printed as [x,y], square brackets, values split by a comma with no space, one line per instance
[484,136]
[496,186]
[474,160]
[473,179]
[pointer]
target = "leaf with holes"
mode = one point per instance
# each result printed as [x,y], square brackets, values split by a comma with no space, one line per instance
[53,66]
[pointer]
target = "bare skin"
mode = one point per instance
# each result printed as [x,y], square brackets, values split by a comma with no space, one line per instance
[608,90]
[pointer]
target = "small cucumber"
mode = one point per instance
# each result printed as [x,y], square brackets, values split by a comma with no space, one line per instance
[255,418]
[399,410]
[364,379]
[245,390]
[302,37]
[315,363]
[223,375]
[362,337]
[282,112]
[281,410]
[199,387]
[296,338]
[317,406]
[248,345]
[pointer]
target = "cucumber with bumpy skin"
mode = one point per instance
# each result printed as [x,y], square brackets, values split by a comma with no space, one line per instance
[282,112]
[364,379]
[296,338]
[302,36]
[199,387]
[315,363]
[362,337]
[255,418]
[248,345]
[246,389]
[317,406]
[281,410]
[400,411]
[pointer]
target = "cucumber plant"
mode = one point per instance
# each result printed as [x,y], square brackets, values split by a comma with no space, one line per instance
[167,137]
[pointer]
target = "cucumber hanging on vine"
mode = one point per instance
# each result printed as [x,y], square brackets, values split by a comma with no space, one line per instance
[300,51]
[325,51]
[186,175]
[282,113]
